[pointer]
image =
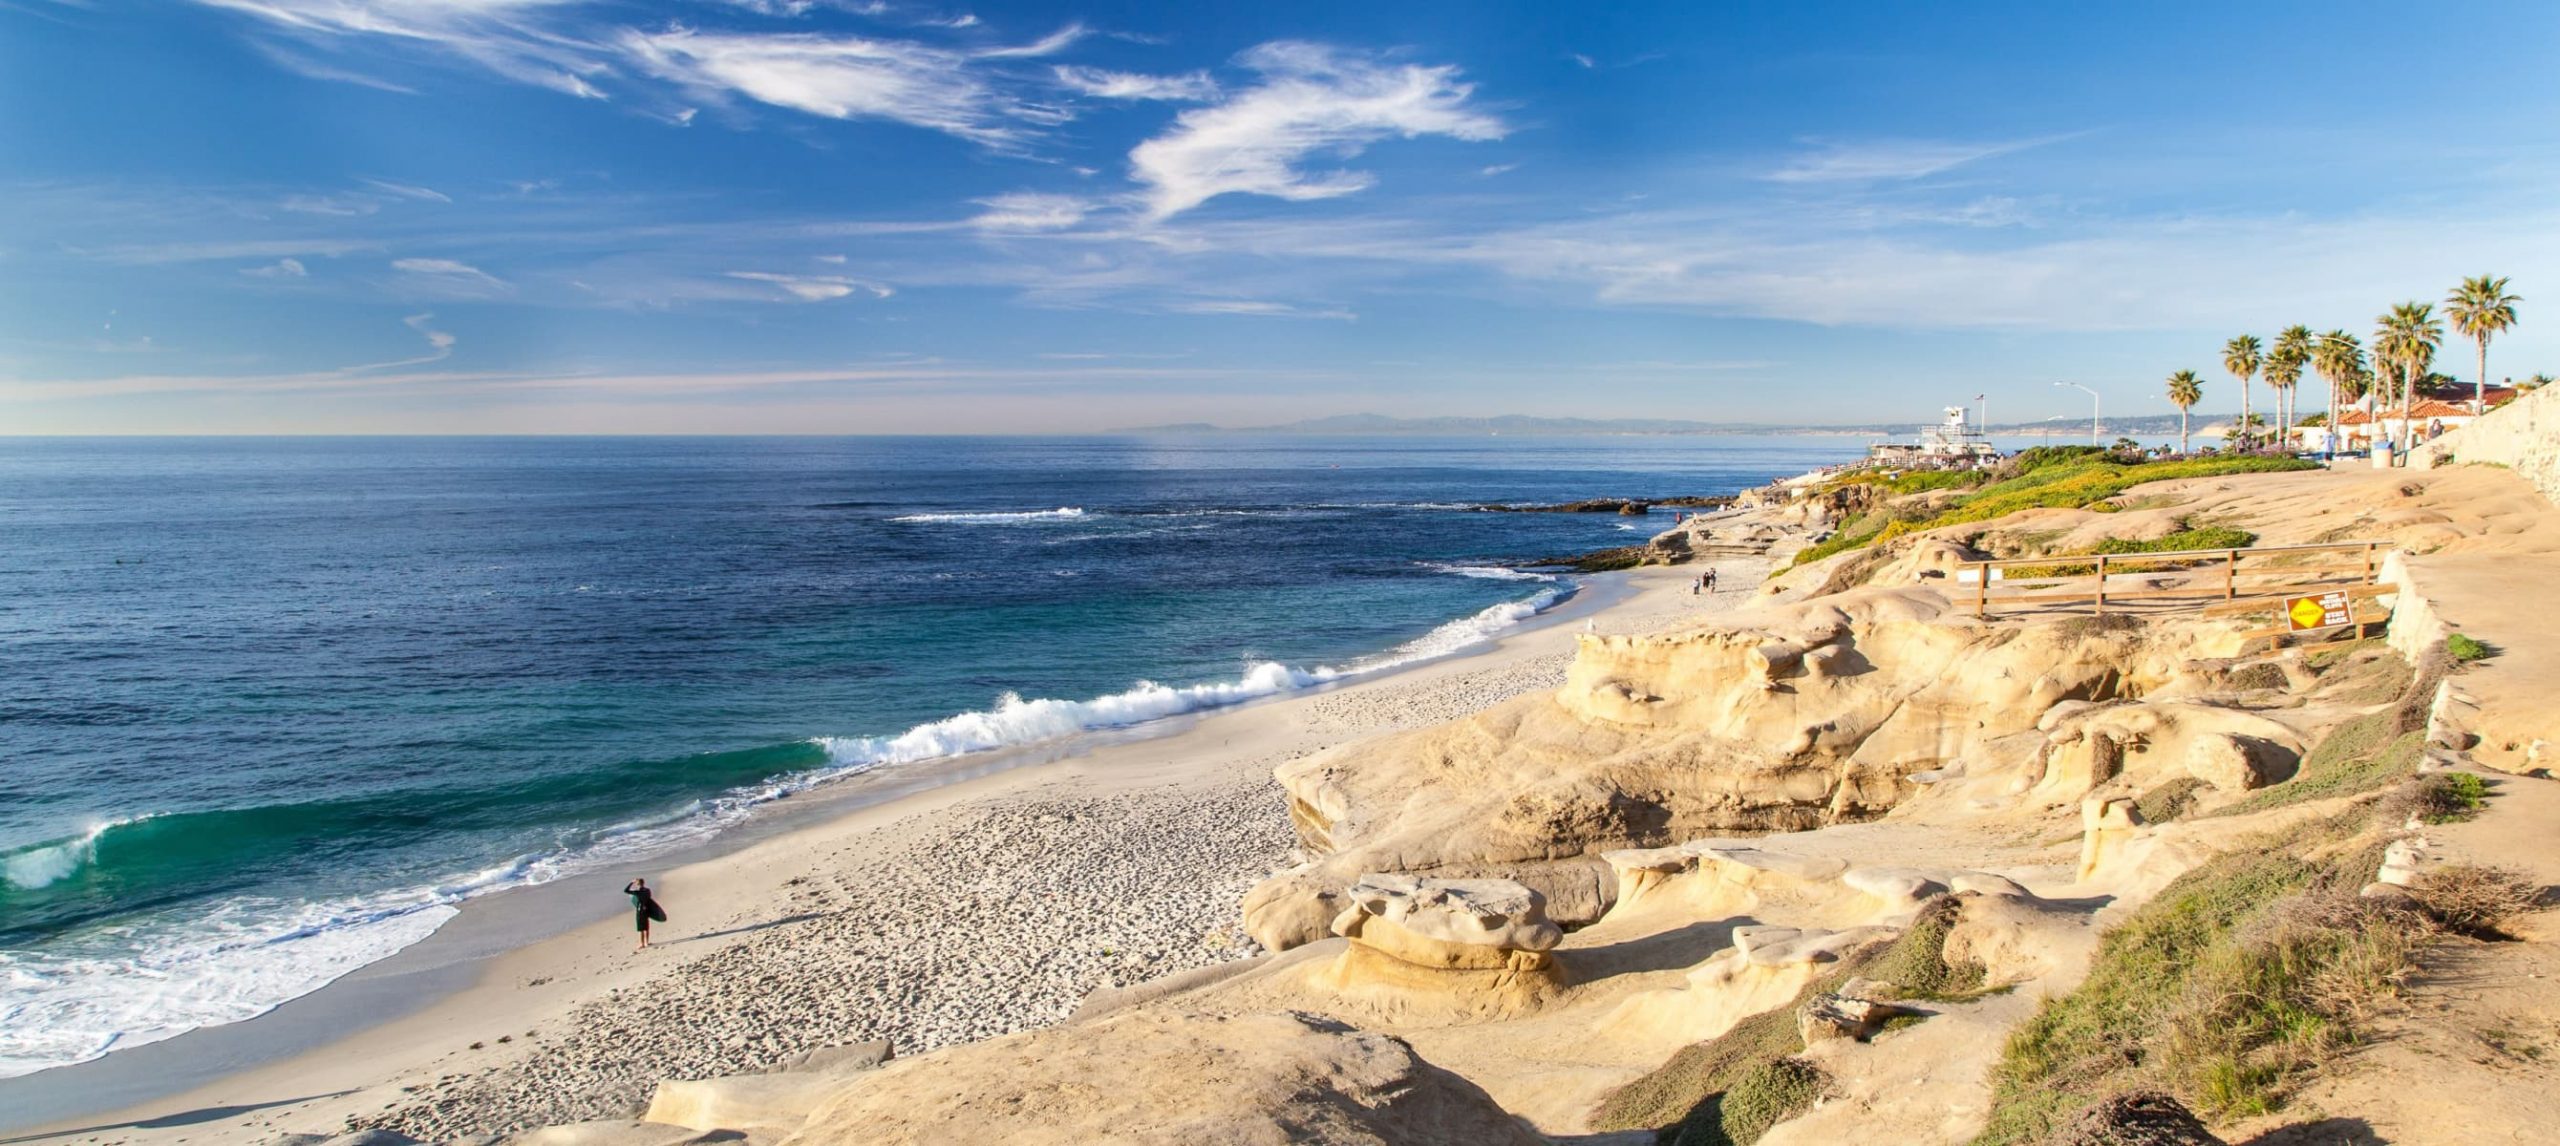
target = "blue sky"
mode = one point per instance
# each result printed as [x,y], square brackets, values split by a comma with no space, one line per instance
[833,216]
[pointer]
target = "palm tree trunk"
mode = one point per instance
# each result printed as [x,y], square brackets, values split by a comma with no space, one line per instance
[2244,414]
[2182,429]
[2480,387]
[2408,402]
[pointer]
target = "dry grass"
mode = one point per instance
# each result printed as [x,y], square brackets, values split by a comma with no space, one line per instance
[2475,900]
[2438,798]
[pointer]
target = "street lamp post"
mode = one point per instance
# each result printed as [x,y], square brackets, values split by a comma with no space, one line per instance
[2093,408]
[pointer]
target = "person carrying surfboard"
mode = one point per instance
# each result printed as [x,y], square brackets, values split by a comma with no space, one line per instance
[644,909]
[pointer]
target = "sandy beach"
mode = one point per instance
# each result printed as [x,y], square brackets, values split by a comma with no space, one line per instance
[985,905]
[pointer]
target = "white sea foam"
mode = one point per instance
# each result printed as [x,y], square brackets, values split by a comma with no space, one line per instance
[1488,572]
[1062,513]
[53,863]
[1016,721]
[232,961]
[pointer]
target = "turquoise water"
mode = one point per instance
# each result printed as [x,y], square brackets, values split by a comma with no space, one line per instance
[272,707]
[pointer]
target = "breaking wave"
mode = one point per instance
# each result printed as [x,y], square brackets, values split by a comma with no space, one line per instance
[1062,513]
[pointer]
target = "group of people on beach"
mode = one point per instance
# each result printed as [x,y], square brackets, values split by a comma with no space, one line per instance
[1706,582]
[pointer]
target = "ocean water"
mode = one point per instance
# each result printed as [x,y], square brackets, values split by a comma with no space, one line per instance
[269,709]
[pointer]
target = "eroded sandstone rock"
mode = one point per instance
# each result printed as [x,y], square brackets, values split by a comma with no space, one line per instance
[1149,1076]
[1781,719]
[1464,924]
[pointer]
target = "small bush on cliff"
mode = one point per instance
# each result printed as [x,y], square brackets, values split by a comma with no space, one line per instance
[2464,649]
[1769,1094]
[2439,798]
[2475,900]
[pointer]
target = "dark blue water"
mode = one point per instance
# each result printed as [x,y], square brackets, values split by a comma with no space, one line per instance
[303,695]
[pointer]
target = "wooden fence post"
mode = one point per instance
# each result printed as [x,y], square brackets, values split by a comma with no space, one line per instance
[2230,574]
[2102,584]
[1982,591]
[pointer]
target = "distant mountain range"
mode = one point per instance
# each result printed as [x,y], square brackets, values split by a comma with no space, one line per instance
[2148,425]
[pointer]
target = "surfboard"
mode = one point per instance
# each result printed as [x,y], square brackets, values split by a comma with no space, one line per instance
[657,914]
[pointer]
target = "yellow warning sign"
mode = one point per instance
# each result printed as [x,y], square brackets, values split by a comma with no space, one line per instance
[2318,612]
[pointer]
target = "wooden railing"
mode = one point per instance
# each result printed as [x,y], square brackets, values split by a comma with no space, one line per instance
[2257,578]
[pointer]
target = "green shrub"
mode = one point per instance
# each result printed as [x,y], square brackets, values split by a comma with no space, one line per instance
[2226,985]
[2464,649]
[2363,755]
[2437,798]
[2096,624]
[1770,1094]
[2168,801]
[1693,1090]
[2205,537]
[2060,476]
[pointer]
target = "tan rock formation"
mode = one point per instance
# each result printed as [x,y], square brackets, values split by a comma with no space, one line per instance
[1786,718]
[741,1101]
[622,1132]
[1146,1077]
[1427,951]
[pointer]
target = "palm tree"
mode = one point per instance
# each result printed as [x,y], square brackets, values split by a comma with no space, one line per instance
[2407,337]
[2242,358]
[2538,381]
[2481,307]
[2184,391]
[2285,361]
[2340,360]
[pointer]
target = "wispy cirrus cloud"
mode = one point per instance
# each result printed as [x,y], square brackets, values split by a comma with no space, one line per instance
[439,347]
[1258,308]
[1026,211]
[448,273]
[1101,83]
[1892,159]
[812,288]
[1312,99]
[279,269]
[839,77]
[508,37]
[407,191]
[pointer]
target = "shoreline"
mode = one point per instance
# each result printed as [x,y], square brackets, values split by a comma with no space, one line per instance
[535,955]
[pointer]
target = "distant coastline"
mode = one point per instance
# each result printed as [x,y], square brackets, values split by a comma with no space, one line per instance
[1527,426]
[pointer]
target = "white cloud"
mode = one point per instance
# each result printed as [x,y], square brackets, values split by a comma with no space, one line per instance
[447,270]
[813,288]
[1312,100]
[439,348]
[1497,169]
[1891,159]
[1049,45]
[1026,211]
[1104,84]
[835,77]
[405,191]
[441,342]
[344,206]
[1258,308]
[280,269]
[499,35]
